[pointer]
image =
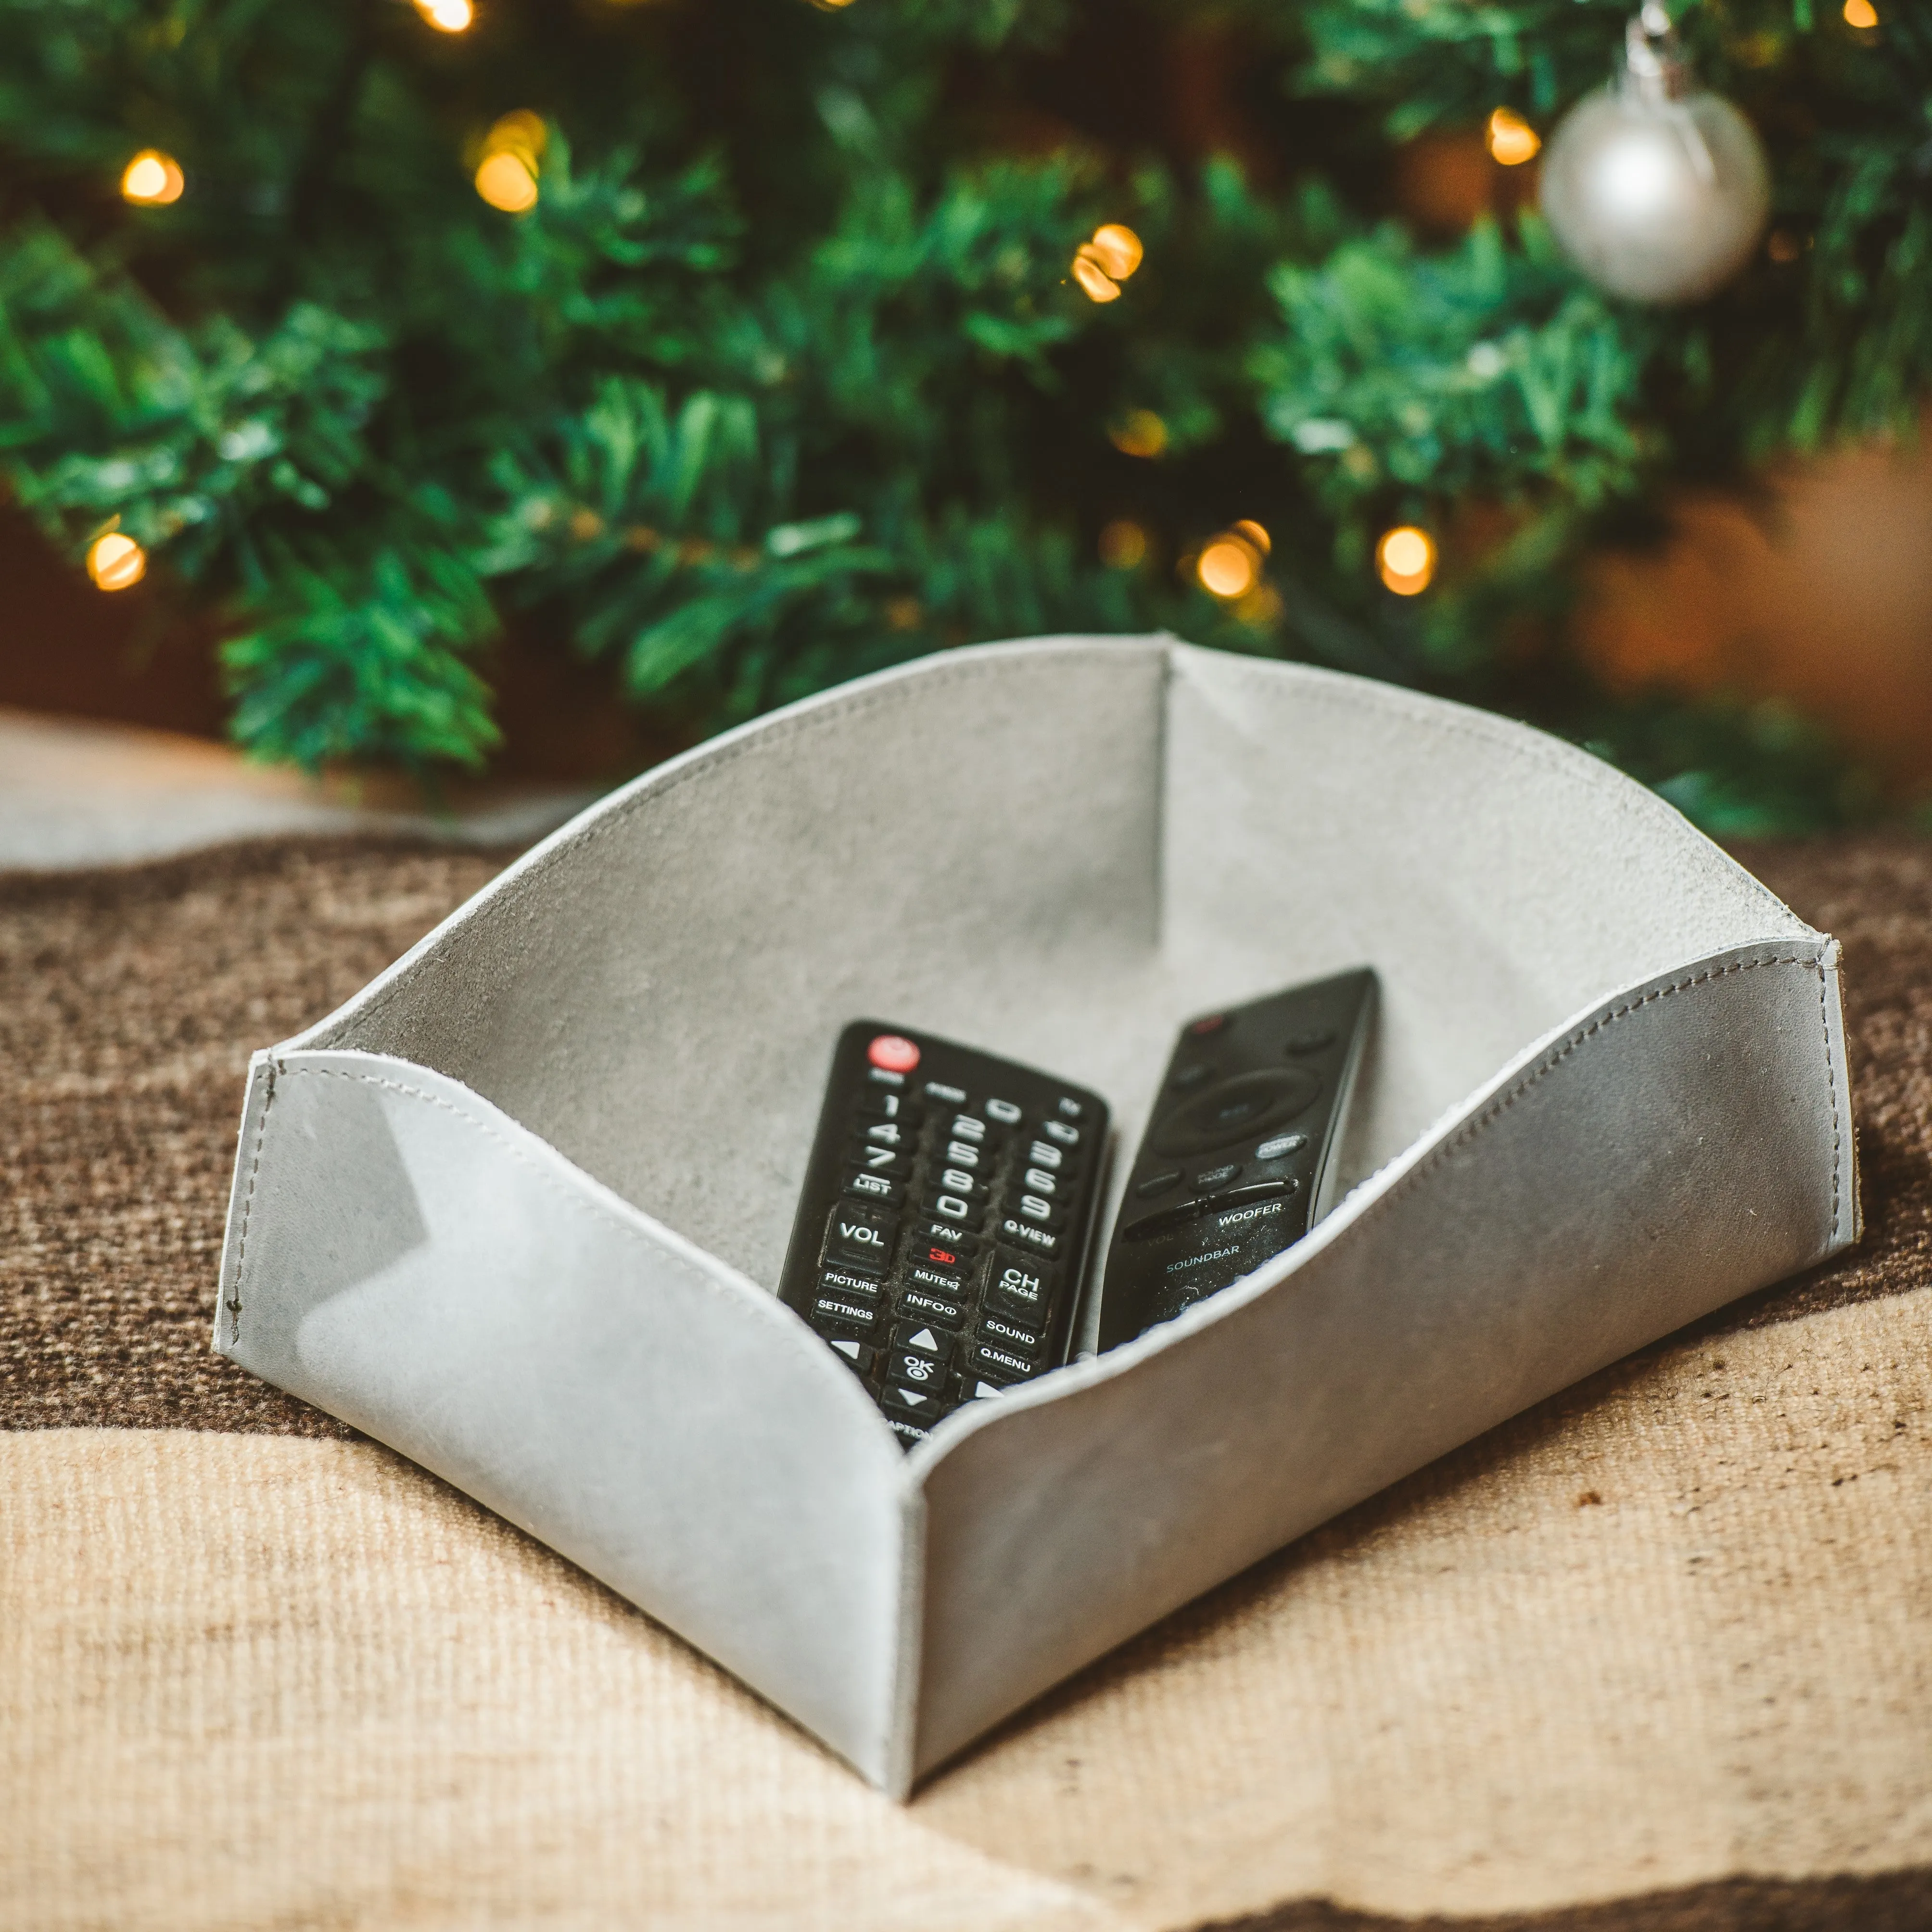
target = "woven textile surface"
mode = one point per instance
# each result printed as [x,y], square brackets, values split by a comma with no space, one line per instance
[1656,1654]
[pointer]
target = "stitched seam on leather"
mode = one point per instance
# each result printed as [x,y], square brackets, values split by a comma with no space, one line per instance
[772,738]
[1479,1123]
[247,1208]
[1832,1086]
[579,1203]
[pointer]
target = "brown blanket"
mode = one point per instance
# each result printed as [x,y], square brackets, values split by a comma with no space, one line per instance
[1656,1655]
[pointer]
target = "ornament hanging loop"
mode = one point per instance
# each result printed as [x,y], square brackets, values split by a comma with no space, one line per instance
[1654,69]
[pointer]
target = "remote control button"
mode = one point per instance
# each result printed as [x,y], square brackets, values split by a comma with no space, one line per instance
[915,1403]
[1058,1130]
[1037,1209]
[1212,1180]
[1004,1111]
[844,1282]
[946,1096]
[1164,1221]
[1009,1364]
[888,1134]
[949,1231]
[882,1103]
[1241,1197]
[970,1388]
[968,1127]
[1235,1108]
[1001,1331]
[1071,1109]
[1020,1290]
[941,1281]
[908,1431]
[962,1180]
[891,1054]
[882,1160]
[1156,1183]
[1040,1181]
[1312,1041]
[1280,1147]
[1025,1234]
[860,1236]
[953,1256]
[922,1304]
[1198,1074]
[1208,1023]
[838,1314]
[866,1186]
[963,1153]
[1044,1153]
[922,1339]
[861,1358]
[880,1076]
[953,1207]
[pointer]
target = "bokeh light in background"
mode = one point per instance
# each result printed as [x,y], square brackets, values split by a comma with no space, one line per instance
[1123,544]
[116,562]
[1228,567]
[1512,140]
[447,16]
[1860,14]
[506,178]
[152,179]
[1105,260]
[1255,534]
[1139,433]
[1406,558]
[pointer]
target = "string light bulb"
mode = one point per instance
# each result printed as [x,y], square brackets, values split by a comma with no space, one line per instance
[1228,567]
[1256,534]
[1117,249]
[1406,558]
[1860,14]
[1123,544]
[447,16]
[116,561]
[1512,140]
[1139,433]
[1101,264]
[506,178]
[1095,282]
[152,179]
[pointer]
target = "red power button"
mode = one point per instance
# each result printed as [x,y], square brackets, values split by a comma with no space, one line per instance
[892,1054]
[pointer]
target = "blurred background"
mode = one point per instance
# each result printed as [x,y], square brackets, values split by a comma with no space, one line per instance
[411,391]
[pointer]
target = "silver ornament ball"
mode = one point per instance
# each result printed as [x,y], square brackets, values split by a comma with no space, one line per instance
[1656,189]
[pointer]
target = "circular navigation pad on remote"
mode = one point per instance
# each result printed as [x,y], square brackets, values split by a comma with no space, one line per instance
[1235,1109]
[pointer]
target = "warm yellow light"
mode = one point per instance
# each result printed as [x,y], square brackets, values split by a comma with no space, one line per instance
[1512,139]
[1139,433]
[447,16]
[519,132]
[1256,535]
[115,563]
[1123,544]
[1117,249]
[1406,557]
[505,182]
[152,179]
[1860,14]
[1093,277]
[1228,568]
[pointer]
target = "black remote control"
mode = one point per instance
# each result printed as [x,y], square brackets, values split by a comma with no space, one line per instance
[942,1236]
[1238,1159]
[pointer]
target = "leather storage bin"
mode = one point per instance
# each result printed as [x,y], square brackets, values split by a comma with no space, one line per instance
[518,1208]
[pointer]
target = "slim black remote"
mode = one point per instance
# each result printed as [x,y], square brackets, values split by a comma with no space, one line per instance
[942,1235]
[1238,1159]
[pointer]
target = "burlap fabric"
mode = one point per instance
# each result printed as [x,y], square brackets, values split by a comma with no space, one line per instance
[1657,1655]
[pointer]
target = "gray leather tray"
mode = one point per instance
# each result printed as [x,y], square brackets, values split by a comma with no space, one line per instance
[518,1208]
